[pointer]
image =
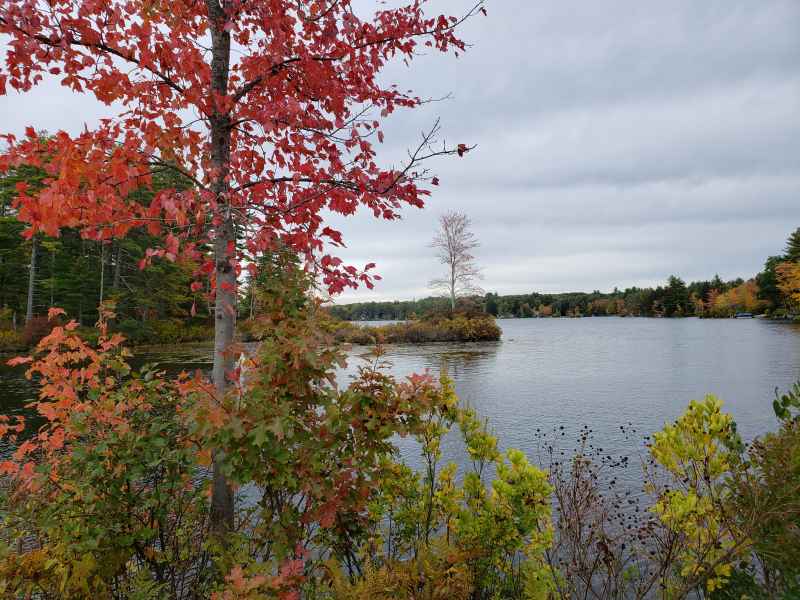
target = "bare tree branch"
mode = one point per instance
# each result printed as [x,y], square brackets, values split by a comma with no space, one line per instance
[454,243]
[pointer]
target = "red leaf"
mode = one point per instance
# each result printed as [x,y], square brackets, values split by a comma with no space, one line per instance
[95,173]
[54,312]
[19,360]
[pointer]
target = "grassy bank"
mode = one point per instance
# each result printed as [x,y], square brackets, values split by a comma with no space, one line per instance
[137,333]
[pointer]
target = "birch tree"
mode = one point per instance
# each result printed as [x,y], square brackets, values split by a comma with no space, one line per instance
[454,242]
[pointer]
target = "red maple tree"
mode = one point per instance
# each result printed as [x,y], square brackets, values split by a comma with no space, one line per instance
[272,108]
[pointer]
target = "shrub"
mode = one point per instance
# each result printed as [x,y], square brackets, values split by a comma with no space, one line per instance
[246,328]
[35,330]
[768,502]
[136,332]
[154,332]
[6,318]
[176,331]
[109,499]
[720,521]
[105,501]
[11,341]
[701,450]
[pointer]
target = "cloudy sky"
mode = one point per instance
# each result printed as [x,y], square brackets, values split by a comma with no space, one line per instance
[617,143]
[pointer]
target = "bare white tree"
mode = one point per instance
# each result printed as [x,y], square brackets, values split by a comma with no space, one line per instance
[454,243]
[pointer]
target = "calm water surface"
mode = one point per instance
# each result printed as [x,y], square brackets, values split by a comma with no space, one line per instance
[600,372]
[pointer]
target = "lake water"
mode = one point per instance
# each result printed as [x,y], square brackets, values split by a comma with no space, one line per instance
[598,372]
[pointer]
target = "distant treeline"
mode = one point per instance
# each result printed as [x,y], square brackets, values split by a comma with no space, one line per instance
[772,291]
[673,299]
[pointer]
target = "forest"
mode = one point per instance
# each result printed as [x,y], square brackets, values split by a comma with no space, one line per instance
[153,305]
[773,292]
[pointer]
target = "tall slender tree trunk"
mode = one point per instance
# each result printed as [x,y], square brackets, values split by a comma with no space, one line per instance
[31,280]
[452,287]
[52,276]
[81,274]
[222,507]
[252,297]
[102,270]
[117,269]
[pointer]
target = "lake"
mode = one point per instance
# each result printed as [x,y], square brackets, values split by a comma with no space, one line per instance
[599,372]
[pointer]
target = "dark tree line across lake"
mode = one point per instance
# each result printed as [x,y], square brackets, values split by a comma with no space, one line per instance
[766,293]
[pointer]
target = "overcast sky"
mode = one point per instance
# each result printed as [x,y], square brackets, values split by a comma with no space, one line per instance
[617,143]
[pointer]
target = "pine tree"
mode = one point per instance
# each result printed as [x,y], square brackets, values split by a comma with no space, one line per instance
[793,246]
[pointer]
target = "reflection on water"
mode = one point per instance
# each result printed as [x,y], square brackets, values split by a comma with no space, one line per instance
[549,373]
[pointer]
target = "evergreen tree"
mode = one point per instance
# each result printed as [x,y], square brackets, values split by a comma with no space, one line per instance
[676,297]
[767,282]
[491,304]
[793,246]
[71,270]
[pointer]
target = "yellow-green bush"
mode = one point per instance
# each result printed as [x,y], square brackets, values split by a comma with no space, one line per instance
[700,450]
[432,538]
[10,341]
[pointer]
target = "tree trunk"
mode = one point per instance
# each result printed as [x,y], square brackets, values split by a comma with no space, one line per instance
[452,287]
[117,269]
[52,276]
[224,322]
[252,297]
[102,270]
[31,281]
[81,274]
[222,507]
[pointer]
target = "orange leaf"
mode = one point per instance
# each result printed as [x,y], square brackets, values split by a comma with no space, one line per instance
[19,360]
[54,312]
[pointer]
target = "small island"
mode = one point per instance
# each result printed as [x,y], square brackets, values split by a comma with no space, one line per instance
[459,327]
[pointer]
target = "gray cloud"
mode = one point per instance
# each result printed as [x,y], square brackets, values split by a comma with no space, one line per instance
[618,143]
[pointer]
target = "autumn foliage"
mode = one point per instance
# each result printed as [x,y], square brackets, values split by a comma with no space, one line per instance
[742,298]
[299,108]
[789,281]
[109,498]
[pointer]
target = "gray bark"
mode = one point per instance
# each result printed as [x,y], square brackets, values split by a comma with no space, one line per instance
[454,243]
[453,285]
[117,269]
[53,276]
[102,270]
[252,297]
[222,506]
[31,280]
